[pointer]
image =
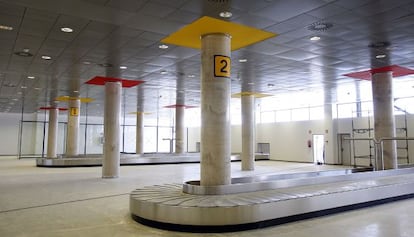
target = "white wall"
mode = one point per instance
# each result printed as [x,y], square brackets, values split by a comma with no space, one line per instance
[9,127]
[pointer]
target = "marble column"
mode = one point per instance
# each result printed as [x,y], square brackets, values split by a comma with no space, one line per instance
[72,138]
[384,122]
[52,133]
[140,134]
[248,132]
[111,156]
[215,113]
[179,129]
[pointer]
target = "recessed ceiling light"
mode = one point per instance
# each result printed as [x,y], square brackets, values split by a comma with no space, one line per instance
[23,87]
[242,60]
[45,57]
[15,99]
[163,46]
[163,72]
[270,85]
[37,88]
[250,83]
[191,75]
[86,62]
[4,27]
[66,29]
[30,77]
[379,56]
[315,38]
[75,91]
[123,67]
[225,14]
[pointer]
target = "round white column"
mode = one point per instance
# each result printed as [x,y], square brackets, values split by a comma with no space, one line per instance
[215,113]
[111,156]
[384,122]
[140,134]
[72,137]
[52,133]
[179,129]
[248,132]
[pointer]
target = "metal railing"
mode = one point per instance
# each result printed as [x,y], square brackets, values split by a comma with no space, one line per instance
[378,148]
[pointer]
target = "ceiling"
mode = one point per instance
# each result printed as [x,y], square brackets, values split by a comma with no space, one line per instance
[108,34]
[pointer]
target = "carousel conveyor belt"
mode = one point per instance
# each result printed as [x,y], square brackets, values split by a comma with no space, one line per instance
[261,201]
[129,159]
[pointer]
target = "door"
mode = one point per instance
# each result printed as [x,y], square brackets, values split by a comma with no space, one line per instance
[344,149]
[318,149]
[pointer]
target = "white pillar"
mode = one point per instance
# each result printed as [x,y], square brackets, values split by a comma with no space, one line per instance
[215,112]
[52,133]
[248,132]
[179,129]
[72,138]
[384,122]
[140,134]
[111,158]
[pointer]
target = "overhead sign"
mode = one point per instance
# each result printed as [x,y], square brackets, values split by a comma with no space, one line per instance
[222,65]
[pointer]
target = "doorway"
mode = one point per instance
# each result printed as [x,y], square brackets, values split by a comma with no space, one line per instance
[318,149]
[344,149]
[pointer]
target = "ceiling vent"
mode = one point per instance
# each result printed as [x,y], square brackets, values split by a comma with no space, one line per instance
[320,26]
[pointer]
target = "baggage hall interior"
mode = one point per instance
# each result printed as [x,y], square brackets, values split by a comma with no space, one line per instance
[206,117]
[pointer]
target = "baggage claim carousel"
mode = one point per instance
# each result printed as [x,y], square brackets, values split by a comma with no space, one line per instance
[131,159]
[261,201]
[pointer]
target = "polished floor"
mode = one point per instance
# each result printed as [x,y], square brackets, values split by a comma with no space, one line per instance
[77,202]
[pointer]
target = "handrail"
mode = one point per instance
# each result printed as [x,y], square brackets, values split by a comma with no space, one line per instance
[378,145]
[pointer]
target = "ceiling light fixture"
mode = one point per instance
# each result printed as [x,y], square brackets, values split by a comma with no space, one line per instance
[163,46]
[45,57]
[191,75]
[30,77]
[66,29]
[163,72]
[379,56]
[320,26]
[315,38]
[86,62]
[225,14]
[270,85]
[23,87]
[123,67]
[4,27]
[24,53]
[242,60]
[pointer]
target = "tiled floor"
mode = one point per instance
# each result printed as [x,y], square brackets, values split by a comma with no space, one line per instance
[77,202]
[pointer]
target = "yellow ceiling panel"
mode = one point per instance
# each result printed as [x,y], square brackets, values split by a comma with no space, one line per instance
[241,35]
[67,98]
[255,94]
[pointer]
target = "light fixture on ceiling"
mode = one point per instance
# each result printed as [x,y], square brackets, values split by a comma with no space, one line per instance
[380,56]
[225,14]
[123,67]
[31,77]
[66,29]
[270,85]
[46,57]
[250,83]
[37,88]
[315,38]
[242,60]
[163,72]
[4,27]
[163,46]
[75,91]
[23,87]
[105,65]
[191,76]
[86,62]
[24,53]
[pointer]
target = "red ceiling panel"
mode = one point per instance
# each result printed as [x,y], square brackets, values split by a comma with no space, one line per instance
[396,70]
[98,80]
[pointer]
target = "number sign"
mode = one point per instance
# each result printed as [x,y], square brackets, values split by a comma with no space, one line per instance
[222,65]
